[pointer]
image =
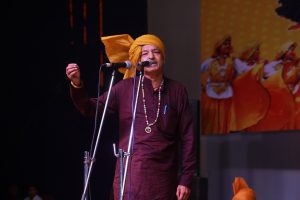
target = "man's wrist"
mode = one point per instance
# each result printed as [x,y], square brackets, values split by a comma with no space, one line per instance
[77,86]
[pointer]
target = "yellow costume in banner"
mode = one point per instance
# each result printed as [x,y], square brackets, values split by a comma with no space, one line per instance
[216,98]
[216,76]
[280,85]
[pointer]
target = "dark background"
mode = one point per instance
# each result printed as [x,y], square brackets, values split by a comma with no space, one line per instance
[43,136]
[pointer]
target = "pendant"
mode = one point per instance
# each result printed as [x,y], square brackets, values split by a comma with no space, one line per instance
[148,129]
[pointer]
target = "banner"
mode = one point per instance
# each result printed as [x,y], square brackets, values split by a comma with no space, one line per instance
[250,66]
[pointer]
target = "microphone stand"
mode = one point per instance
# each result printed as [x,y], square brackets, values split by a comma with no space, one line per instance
[121,153]
[86,162]
[98,136]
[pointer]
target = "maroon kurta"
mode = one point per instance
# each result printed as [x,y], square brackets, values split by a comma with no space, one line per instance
[153,172]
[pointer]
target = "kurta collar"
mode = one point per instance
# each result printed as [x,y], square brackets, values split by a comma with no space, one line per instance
[148,85]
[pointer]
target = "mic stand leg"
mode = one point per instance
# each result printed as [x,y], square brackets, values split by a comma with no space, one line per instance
[121,154]
[87,160]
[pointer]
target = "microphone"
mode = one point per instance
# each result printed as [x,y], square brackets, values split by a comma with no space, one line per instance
[126,64]
[146,63]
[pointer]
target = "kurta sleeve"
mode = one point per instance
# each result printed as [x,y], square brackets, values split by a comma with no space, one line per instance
[87,106]
[187,136]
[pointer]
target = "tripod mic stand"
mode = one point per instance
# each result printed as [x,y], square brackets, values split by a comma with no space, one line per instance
[89,170]
[121,154]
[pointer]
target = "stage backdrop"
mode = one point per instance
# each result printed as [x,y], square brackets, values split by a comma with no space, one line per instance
[249,66]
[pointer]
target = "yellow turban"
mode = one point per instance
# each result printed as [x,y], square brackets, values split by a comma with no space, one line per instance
[241,190]
[249,51]
[222,41]
[285,47]
[219,43]
[122,47]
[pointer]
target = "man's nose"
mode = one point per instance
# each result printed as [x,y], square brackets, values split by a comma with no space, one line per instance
[150,55]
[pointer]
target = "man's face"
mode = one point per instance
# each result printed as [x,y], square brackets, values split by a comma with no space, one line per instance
[152,53]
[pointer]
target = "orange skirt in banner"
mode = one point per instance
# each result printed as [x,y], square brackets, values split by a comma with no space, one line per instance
[250,101]
[297,109]
[297,117]
[215,115]
[282,107]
